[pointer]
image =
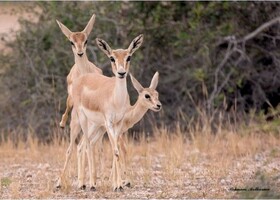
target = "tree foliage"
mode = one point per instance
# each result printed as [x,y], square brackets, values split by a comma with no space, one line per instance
[187,42]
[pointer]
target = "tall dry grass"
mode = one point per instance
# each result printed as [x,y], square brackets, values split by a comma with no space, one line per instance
[159,162]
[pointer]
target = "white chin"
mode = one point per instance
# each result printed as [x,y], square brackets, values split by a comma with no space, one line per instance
[156,109]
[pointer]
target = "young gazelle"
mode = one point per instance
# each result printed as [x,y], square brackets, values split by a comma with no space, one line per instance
[82,65]
[147,99]
[103,101]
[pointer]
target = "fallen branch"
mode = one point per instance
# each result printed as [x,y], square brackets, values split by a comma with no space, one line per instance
[259,29]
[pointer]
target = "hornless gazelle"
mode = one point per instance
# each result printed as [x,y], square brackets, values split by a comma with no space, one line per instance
[82,65]
[100,101]
[147,99]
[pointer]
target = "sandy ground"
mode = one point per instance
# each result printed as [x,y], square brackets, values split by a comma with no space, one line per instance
[10,13]
[178,172]
[8,21]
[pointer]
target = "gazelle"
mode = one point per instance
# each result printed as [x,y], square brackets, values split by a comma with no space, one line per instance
[101,101]
[147,99]
[82,65]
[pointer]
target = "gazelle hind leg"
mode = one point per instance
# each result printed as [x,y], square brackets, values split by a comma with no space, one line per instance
[85,128]
[69,105]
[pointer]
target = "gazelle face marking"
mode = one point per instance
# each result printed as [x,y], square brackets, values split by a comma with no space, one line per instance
[150,99]
[79,43]
[120,58]
[120,62]
[78,40]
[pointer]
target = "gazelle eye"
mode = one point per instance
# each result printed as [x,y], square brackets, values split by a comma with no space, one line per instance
[72,43]
[112,59]
[147,96]
[85,42]
[128,59]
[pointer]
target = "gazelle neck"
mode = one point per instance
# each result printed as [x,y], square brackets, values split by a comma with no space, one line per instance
[82,63]
[134,114]
[120,92]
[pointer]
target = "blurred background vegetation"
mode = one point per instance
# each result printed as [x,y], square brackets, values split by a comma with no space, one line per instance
[206,65]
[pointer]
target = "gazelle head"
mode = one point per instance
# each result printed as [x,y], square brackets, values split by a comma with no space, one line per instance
[148,97]
[120,58]
[78,40]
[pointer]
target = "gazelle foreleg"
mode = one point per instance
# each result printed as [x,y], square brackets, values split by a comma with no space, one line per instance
[75,129]
[81,152]
[123,148]
[116,173]
[69,105]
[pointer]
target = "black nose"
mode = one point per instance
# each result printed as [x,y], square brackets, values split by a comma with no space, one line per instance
[80,54]
[158,105]
[121,73]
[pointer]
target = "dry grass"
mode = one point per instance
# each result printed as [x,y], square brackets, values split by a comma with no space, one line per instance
[167,165]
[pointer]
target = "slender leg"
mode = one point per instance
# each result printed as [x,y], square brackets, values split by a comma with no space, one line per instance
[69,105]
[95,136]
[123,148]
[81,151]
[84,126]
[113,136]
[83,161]
[101,157]
[94,174]
[74,131]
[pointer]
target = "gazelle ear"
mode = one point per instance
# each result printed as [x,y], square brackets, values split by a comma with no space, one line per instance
[136,84]
[64,29]
[154,81]
[89,26]
[103,46]
[135,44]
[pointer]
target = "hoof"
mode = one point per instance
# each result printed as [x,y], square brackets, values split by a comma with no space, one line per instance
[93,189]
[62,125]
[127,184]
[118,189]
[83,187]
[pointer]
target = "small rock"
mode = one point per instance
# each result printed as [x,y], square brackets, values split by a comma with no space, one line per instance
[29,176]
[238,165]
[228,180]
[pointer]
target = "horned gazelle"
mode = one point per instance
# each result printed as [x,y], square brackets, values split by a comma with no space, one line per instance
[103,101]
[147,99]
[82,65]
